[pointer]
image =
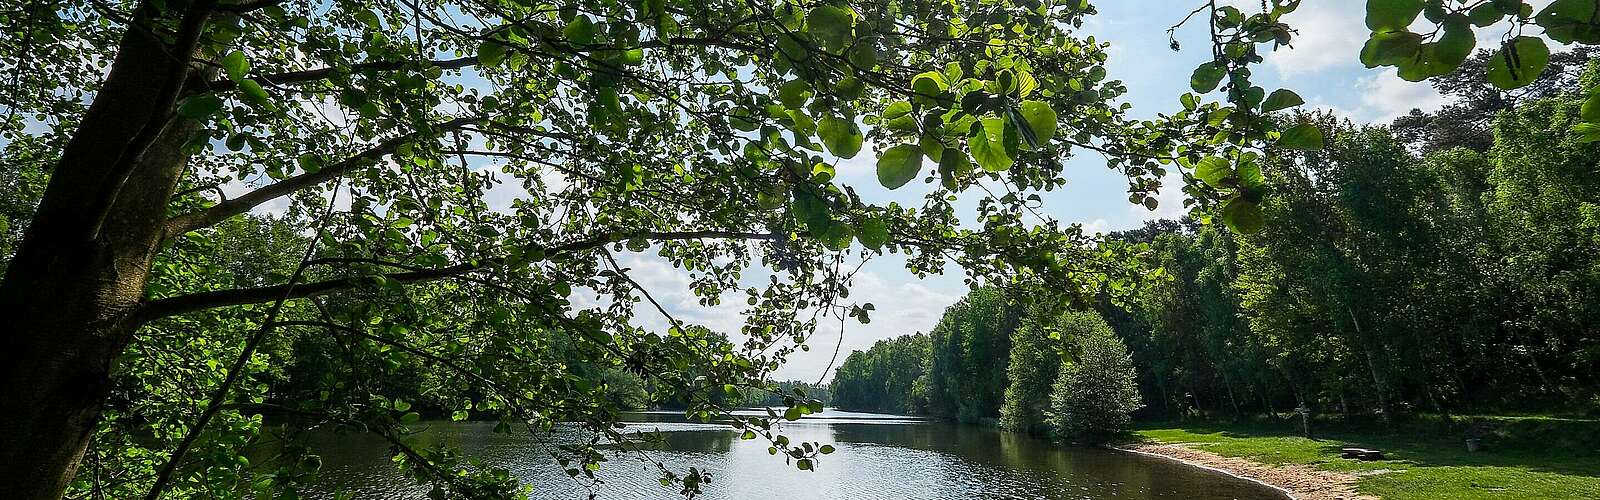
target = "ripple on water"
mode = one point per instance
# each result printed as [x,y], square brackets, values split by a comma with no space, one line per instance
[877,457]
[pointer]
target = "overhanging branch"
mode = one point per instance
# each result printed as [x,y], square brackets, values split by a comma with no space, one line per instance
[171,306]
[222,211]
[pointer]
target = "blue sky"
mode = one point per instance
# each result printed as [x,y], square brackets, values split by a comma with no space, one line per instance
[1322,67]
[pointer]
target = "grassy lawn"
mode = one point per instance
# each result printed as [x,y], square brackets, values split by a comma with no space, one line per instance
[1525,457]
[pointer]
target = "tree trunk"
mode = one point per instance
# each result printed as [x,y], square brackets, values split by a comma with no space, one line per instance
[69,290]
[1237,414]
[1377,381]
[1266,401]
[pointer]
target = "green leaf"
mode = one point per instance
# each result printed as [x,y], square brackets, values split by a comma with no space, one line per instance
[491,53]
[410,417]
[1484,15]
[1249,173]
[792,414]
[236,65]
[1213,170]
[1569,21]
[1519,62]
[803,464]
[793,93]
[899,165]
[1591,108]
[1392,15]
[200,107]
[838,237]
[928,88]
[1455,46]
[1281,99]
[831,26]
[898,117]
[1390,48]
[841,136]
[581,31]
[988,146]
[1587,132]
[748,435]
[953,164]
[254,93]
[813,211]
[1243,216]
[1302,137]
[864,55]
[1041,118]
[873,232]
[1206,77]
[825,449]
[849,88]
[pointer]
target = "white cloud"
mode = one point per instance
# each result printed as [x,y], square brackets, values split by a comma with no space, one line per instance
[1331,34]
[1097,226]
[1386,96]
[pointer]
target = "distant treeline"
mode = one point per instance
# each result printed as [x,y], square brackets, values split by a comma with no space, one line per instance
[992,360]
[1448,263]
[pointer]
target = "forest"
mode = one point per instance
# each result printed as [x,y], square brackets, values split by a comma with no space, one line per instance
[1448,263]
[242,239]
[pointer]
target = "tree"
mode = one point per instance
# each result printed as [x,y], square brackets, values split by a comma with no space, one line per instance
[887,378]
[1036,351]
[967,383]
[1095,394]
[691,129]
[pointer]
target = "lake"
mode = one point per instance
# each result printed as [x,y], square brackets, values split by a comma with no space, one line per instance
[877,457]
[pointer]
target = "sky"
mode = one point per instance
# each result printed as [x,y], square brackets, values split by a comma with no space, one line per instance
[1322,67]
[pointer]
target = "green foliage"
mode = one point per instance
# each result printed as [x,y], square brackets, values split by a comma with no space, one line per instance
[966,380]
[1519,61]
[899,165]
[1095,395]
[1036,351]
[891,377]
[1382,283]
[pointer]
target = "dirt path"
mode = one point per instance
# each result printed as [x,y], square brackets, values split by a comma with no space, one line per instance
[1301,482]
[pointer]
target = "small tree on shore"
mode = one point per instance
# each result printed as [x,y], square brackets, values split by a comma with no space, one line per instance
[1095,393]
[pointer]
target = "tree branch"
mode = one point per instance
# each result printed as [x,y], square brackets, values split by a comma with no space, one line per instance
[312,75]
[171,306]
[191,221]
[318,74]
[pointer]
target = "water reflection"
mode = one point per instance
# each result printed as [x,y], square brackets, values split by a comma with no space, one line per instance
[877,457]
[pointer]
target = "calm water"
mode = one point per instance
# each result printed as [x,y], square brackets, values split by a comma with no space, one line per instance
[878,457]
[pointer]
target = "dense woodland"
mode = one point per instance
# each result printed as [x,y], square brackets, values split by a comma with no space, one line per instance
[1448,263]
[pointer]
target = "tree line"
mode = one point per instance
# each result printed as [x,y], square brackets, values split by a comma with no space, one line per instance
[1447,263]
[996,360]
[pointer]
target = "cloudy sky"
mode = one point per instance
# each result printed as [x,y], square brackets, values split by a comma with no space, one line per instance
[1322,67]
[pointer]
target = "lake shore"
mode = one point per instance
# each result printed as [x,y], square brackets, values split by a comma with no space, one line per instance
[1298,481]
[1424,459]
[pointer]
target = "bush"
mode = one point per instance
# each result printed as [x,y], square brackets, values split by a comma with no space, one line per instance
[1095,393]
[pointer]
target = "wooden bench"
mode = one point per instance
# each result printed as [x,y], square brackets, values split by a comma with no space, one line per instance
[1362,454]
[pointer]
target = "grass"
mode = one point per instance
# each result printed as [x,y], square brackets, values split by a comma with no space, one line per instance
[1524,457]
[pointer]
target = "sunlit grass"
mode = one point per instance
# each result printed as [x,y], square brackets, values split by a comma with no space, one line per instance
[1525,458]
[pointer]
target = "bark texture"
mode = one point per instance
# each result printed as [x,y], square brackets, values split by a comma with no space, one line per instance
[70,289]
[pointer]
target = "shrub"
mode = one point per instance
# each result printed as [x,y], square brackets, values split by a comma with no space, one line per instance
[1095,393]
